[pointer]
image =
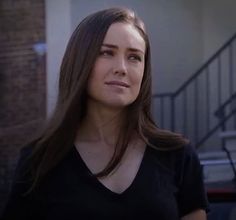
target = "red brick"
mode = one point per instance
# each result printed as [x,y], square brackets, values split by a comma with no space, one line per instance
[22,81]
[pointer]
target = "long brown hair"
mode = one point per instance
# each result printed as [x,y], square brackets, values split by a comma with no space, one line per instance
[78,61]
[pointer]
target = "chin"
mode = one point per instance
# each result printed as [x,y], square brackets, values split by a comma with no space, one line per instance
[120,103]
[117,105]
[114,102]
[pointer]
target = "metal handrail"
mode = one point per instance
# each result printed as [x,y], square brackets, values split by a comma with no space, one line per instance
[206,64]
[192,84]
[215,128]
[219,111]
[203,67]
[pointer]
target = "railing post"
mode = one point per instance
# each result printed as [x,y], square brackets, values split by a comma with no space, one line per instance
[222,117]
[172,101]
[162,112]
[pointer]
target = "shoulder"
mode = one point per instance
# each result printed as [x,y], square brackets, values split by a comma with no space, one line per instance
[176,160]
[183,153]
[184,166]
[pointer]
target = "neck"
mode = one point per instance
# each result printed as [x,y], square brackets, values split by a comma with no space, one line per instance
[101,124]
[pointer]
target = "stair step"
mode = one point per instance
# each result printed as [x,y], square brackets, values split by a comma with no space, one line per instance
[218,172]
[228,134]
[212,155]
[231,146]
[217,166]
[217,162]
[217,155]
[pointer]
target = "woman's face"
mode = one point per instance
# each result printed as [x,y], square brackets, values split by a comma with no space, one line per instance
[118,71]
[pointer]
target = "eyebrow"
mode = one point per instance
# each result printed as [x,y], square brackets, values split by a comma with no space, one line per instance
[116,47]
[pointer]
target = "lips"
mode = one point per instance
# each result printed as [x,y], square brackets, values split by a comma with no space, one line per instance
[117,83]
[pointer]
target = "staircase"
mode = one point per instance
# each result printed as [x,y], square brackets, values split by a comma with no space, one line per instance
[204,110]
[220,165]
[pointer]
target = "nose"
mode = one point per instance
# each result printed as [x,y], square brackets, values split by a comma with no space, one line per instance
[120,66]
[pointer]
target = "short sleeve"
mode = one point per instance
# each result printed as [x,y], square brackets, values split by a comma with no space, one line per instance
[192,194]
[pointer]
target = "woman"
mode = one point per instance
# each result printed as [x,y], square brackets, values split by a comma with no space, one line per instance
[101,155]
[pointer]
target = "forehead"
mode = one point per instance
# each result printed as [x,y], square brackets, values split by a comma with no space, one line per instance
[124,35]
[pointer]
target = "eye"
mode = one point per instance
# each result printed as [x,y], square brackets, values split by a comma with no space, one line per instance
[106,53]
[135,57]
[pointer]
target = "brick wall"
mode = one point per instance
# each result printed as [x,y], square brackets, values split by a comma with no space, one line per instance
[22,81]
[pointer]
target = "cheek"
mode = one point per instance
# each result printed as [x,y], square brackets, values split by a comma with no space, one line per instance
[141,75]
[96,79]
[92,85]
[91,81]
[96,75]
[137,79]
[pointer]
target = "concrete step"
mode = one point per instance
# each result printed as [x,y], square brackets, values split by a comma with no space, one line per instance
[217,166]
[230,139]
[228,134]
[216,155]
[218,172]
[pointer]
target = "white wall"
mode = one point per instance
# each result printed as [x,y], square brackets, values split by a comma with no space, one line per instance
[58,30]
[219,24]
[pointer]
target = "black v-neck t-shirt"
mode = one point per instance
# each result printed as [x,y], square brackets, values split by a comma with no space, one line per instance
[168,185]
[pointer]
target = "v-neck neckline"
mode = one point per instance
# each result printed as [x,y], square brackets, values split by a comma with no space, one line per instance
[104,188]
